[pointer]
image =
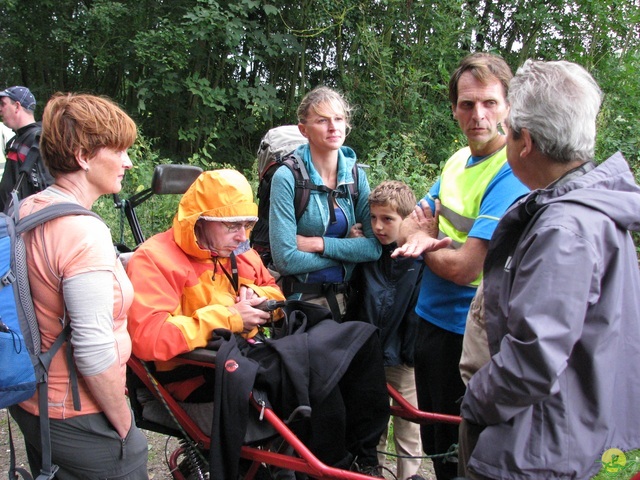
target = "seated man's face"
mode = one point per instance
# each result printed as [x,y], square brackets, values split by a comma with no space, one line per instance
[221,238]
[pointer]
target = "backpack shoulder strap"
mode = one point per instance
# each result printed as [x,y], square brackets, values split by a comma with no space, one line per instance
[302,185]
[32,137]
[354,187]
[49,213]
[33,169]
[49,469]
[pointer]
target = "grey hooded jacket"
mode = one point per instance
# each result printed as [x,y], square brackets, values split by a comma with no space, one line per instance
[562,297]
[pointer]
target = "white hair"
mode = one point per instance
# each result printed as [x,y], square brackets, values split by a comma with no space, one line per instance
[557,102]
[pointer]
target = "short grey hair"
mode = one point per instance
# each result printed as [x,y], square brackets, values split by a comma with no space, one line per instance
[557,102]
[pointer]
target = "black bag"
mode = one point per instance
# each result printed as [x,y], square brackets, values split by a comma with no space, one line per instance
[32,174]
[301,365]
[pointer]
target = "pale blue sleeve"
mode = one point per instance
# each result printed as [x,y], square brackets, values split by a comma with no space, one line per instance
[283,229]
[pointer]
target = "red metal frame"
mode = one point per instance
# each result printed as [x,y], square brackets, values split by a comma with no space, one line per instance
[167,179]
[305,461]
[404,409]
[193,431]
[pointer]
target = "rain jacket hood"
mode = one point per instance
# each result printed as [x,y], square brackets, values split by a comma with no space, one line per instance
[182,293]
[223,195]
[609,189]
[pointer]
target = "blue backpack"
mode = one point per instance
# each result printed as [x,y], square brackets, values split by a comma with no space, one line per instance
[24,366]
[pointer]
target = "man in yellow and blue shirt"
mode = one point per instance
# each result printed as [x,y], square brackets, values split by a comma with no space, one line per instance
[474,190]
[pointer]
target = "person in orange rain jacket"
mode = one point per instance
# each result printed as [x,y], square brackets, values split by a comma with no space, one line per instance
[201,276]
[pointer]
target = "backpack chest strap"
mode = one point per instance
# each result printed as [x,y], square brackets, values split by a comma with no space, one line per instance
[331,194]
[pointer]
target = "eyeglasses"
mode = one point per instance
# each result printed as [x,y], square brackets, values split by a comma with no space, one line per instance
[236,227]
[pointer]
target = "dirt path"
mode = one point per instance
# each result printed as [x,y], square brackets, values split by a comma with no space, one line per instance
[159,445]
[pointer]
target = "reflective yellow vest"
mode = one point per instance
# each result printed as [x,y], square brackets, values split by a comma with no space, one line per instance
[462,189]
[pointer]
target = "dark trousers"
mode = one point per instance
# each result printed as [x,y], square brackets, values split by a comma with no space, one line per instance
[439,388]
[85,447]
[468,435]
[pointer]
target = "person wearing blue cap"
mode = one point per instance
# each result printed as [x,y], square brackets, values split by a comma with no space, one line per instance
[24,170]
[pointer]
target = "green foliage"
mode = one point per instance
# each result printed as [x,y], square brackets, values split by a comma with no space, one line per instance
[399,158]
[155,214]
[618,126]
[205,79]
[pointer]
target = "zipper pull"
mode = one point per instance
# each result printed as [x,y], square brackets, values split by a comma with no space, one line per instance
[264,406]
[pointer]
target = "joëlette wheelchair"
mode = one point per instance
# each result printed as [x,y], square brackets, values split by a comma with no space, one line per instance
[156,410]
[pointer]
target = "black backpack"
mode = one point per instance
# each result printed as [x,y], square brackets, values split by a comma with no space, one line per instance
[276,149]
[32,176]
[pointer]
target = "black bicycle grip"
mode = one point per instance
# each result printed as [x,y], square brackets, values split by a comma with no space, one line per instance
[271,305]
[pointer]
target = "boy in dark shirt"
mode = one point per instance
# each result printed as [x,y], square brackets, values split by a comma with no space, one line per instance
[385,294]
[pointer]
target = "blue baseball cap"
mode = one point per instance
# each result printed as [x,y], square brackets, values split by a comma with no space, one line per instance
[22,95]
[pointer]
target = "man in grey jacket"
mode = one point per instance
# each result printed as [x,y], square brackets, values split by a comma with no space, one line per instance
[562,294]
